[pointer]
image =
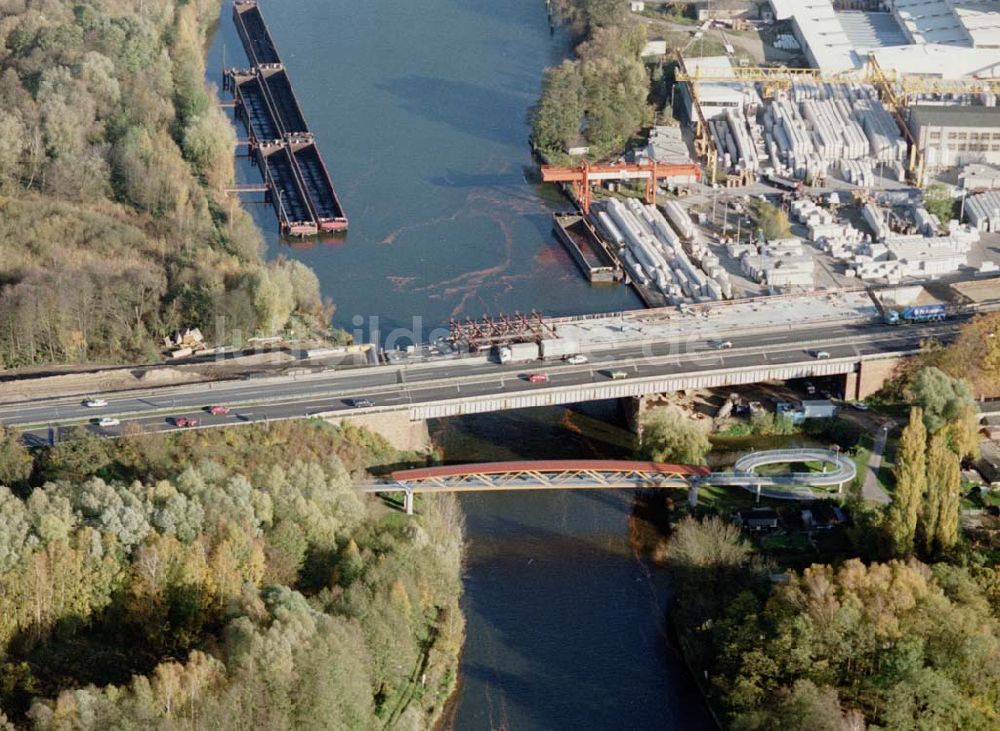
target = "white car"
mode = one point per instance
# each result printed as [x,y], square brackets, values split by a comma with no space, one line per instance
[822,355]
[577,359]
[95,403]
[859,405]
[109,421]
[725,345]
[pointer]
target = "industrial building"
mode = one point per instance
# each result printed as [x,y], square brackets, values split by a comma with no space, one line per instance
[942,38]
[716,97]
[956,135]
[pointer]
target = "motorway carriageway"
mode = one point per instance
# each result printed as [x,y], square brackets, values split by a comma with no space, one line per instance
[282,397]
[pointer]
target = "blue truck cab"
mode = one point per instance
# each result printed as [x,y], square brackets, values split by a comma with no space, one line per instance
[920,313]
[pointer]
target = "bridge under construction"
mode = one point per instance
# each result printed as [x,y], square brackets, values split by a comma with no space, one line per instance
[280,142]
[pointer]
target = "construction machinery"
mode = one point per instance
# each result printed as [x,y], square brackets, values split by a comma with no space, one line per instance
[582,176]
[894,93]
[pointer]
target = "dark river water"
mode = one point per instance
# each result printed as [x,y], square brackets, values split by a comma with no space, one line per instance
[420,112]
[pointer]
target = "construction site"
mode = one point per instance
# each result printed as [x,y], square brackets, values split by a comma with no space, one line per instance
[843,150]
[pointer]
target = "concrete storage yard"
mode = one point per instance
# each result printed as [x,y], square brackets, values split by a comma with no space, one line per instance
[651,252]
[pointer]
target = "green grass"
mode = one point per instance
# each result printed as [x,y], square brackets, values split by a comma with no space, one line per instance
[725,499]
[739,429]
[862,455]
[980,500]
[779,468]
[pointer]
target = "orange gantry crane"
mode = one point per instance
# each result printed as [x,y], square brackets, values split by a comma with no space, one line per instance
[582,176]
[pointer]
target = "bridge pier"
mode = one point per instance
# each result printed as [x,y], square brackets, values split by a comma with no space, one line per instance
[693,494]
[872,375]
[408,501]
[395,426]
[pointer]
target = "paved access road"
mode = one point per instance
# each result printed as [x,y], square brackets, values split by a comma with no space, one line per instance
[259,399]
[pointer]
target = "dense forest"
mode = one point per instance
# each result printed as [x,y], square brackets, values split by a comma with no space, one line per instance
[221,579]
[906,635]
[601,95]
[114,225]
[898,645]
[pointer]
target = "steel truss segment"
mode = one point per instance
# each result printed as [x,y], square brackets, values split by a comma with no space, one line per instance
[524,477]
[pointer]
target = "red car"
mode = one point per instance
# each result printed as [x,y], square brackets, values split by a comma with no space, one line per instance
[538,377]
[218,410]
[185,421]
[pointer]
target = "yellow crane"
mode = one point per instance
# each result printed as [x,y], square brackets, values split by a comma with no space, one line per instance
[893,91]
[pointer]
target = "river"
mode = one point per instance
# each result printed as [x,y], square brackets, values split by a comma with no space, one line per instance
[420,112]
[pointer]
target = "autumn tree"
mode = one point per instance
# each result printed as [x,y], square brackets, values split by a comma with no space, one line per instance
[943,399]
[77,455]
[557,116]
[939,515]
[670,435]
[939,202]
[880,644]
[773,221]
[15,460]
[911,484]
[975,355]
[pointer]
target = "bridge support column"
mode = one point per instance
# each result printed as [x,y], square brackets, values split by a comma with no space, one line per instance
[395,426]
[758,494]
[851,381]
[873,374]
[633,407]
[408,501]
[693,494]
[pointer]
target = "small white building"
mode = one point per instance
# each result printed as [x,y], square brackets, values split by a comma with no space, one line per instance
[716,96]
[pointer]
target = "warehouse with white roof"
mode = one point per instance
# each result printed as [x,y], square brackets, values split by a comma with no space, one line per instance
[946,38]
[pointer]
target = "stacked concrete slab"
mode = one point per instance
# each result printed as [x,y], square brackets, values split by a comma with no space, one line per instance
[875,219]
[927,223]
[983,210]
[916,256]
[781,263]
[818,126]
[651,251]
[732,140]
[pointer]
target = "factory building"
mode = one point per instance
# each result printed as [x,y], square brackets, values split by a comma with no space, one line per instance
[956,135]
[717,96]
[946,38]
[968,23]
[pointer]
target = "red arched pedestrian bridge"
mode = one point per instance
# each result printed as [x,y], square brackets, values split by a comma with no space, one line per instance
[553,474]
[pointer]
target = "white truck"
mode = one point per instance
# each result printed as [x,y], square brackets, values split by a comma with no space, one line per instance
[516,353]
[555,348]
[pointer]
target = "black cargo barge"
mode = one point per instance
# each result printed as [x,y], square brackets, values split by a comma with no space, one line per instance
[281,144]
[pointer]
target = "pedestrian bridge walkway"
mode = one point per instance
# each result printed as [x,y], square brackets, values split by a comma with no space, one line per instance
[575,474]
[608,474]
[837,470]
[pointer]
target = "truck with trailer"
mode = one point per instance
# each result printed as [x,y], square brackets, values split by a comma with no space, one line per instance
[918,313]
[555,348]
[515,353]
[788,184]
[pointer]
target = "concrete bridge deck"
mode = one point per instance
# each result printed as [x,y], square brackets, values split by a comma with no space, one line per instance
[462,386]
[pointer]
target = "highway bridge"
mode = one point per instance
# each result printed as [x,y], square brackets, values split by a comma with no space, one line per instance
[862,353]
